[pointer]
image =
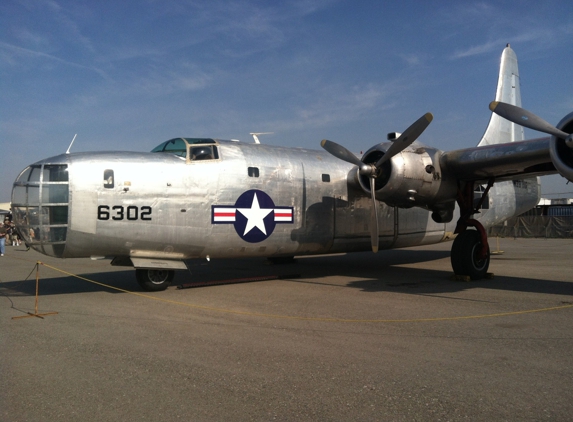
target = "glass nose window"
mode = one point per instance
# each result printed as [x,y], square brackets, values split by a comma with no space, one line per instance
[40,207]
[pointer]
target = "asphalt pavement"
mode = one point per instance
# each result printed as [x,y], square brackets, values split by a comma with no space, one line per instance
[387,336]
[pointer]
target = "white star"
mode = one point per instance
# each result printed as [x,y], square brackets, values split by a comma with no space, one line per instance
[255,216]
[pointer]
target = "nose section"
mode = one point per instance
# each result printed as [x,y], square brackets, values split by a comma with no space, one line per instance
[40,202]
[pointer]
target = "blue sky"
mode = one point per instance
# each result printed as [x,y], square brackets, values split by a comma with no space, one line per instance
[128,75]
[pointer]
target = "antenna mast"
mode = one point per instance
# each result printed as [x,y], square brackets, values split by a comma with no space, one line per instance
[68,151]
[256,136]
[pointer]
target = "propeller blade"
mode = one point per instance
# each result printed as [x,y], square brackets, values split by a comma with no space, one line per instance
[373,217]
[407,137]
[525,118]
[340,152]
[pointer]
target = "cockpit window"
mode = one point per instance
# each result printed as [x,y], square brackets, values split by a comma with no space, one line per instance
[175,146]
[204,152]
[199,148]
[200,141]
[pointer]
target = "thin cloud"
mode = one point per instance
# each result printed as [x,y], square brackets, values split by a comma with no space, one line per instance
[478,49]
[411,59]
[40,55]
[52,11]
[338,105]
[189,78]
[540,37]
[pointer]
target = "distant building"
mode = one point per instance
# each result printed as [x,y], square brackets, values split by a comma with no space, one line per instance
[562,207]
[562,201]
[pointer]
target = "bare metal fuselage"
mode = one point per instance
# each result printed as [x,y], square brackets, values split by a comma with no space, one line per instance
[159,205]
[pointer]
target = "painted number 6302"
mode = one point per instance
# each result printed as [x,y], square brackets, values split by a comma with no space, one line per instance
[119,212]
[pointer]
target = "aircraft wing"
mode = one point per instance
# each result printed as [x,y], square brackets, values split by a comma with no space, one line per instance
[500,161]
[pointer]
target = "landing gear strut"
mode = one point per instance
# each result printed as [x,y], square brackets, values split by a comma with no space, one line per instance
[470,251]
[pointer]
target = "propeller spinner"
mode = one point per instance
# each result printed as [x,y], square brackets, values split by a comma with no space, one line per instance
[372,170]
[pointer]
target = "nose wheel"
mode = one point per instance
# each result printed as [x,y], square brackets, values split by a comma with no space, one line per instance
[467,255]
[154,280]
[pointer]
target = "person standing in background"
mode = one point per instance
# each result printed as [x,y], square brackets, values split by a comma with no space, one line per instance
[3,232]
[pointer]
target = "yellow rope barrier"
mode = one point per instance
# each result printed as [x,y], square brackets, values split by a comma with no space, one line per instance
[302,318]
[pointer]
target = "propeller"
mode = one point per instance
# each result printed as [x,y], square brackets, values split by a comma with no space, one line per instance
[365,169]
[527,119]
[407,137]
[372,170]
[340,152]
[373,217]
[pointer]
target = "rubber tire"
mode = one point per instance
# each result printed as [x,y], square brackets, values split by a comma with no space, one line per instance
[464,255]
[154,280]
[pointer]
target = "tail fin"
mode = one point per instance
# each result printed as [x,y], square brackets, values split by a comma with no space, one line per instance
[499,130]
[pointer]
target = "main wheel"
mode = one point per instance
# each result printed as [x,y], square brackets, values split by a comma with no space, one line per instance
[464,256]
[154,280]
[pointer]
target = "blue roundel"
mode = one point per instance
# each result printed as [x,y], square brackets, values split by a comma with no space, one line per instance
[255,217]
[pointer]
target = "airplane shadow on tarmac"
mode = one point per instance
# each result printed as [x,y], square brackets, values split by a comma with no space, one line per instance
[386,273]
[371,273]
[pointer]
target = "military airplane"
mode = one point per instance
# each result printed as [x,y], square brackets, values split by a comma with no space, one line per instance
[202,198]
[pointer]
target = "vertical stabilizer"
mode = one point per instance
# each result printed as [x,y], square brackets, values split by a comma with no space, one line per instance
[499,130]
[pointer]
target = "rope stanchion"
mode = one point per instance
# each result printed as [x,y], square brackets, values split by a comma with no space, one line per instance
[497,251]
[36,314]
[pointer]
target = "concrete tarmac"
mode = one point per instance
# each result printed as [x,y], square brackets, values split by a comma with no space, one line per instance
[353,337]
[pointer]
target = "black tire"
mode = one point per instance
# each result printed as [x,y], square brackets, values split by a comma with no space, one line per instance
[154,280]
[464,255]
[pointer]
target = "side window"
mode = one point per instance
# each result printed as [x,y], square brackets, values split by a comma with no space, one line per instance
[253,171]
[204,152]
[108,179]
[326,178]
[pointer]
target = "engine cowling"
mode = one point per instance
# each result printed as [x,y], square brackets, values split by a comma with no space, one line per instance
[562,154]
[412,178]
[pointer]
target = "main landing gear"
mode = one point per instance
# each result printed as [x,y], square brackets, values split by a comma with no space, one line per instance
[154,280]
[470,254]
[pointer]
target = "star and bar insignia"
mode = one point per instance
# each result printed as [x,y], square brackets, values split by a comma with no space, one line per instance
[254,215]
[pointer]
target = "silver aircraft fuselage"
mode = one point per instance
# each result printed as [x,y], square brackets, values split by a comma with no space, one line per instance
[247,200]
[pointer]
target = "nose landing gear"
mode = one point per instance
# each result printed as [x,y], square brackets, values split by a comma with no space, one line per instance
[470,254]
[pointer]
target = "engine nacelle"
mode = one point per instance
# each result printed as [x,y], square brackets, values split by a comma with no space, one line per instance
[412,178]
[561,153]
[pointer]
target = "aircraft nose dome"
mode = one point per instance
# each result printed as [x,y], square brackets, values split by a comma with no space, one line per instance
[40,202]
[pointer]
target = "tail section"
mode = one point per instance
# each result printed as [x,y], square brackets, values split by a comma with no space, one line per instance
[500,130]
[508,198]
